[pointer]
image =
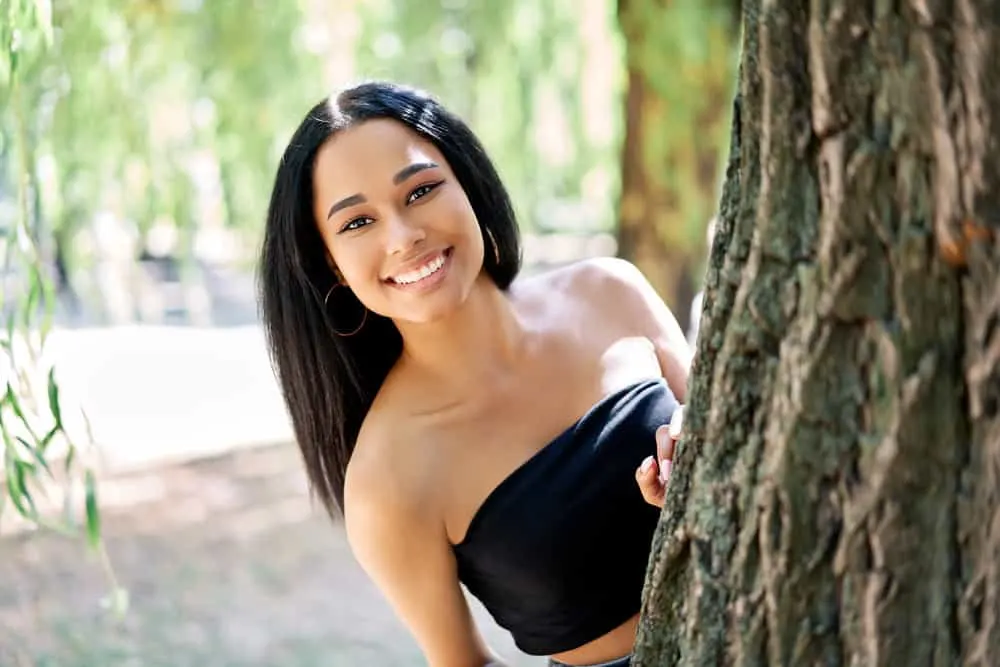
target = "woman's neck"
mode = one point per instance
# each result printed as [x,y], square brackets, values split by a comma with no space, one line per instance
[480,342]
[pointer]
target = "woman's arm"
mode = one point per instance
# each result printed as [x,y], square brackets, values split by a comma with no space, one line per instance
[620,286]
[405,551]
[622,289]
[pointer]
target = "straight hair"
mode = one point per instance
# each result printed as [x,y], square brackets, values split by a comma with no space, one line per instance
[328,380]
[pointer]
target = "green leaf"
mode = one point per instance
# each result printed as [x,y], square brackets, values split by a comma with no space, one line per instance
[36,454]
[10,327]
[34,291]
[48,310]
[54,397]
[5,436]
[43,444]
[18,489]
[70,457]
[11,398]
[25,469]
[93,515]
[87,428]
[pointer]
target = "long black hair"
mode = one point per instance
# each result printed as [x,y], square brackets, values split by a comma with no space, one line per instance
[329,380]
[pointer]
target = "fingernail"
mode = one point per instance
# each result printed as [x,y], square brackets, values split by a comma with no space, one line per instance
[647,463]
[677,422]
[665,466]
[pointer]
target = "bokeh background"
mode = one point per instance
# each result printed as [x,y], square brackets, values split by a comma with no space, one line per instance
[138,143]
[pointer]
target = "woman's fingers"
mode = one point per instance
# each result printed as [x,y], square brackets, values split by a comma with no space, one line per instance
[677,422]
[664,452]
[648,478]
[654,472]
[666,443]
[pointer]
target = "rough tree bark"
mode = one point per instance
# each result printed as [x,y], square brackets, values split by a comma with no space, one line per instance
[836,496]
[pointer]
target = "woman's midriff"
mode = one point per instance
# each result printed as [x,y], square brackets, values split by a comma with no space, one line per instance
[613,645]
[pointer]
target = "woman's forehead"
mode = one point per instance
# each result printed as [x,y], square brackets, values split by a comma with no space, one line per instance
[366,159]
[380,143]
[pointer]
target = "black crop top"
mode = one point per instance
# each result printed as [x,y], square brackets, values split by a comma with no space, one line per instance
[557,553]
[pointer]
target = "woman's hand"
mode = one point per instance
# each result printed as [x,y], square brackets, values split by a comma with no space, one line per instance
[654,472]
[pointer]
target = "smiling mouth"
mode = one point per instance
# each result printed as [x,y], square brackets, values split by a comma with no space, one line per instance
[422,273]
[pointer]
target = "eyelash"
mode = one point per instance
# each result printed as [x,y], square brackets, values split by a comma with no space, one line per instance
[428,188]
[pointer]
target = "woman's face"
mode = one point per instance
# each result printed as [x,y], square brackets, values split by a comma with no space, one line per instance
[396,222]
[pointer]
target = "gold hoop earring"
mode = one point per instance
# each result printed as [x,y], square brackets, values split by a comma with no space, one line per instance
[326,299]
[493,242]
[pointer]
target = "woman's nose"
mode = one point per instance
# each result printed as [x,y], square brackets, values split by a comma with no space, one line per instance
[403,234]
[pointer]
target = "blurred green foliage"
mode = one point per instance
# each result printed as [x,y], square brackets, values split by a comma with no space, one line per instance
[682,63]
[33,428]
[685,51]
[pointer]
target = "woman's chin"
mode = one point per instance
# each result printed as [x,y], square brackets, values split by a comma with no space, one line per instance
[429,315]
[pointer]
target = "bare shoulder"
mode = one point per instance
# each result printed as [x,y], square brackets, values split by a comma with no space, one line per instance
[384,478]
[611,296]
[614,285]
[611,276]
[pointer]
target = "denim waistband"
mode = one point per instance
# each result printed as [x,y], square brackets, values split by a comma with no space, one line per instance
[618,662]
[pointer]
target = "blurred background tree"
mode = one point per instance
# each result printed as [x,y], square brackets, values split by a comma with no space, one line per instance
[681,63]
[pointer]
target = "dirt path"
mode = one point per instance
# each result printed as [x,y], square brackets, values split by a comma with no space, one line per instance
[227,565]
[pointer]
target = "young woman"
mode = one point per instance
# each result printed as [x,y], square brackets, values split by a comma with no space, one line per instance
[472,428]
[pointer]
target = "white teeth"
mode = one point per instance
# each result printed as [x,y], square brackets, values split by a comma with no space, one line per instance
[419,274]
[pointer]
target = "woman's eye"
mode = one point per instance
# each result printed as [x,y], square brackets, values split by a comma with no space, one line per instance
[421,191]
[356,223]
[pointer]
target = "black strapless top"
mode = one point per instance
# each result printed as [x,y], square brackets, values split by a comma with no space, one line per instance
[557,553]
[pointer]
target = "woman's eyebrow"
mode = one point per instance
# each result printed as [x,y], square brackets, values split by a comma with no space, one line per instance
[353,200]
[412,169]
[400,176]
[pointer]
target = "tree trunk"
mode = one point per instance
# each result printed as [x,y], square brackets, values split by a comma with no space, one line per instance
[836,496]
[680,55]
